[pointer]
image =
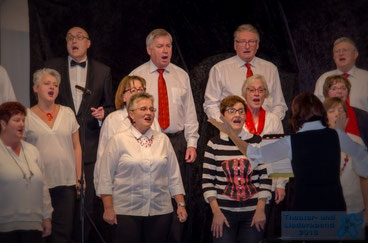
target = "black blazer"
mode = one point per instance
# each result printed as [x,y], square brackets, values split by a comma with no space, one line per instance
[362,120]
[99,82]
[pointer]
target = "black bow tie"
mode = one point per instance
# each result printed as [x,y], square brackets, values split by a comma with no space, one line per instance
[74,63]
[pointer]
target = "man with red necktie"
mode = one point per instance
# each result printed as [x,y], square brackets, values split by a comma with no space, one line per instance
[345,55]
[227,77]
[170,87]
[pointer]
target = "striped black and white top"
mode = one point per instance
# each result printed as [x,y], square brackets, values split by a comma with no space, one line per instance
[226,176]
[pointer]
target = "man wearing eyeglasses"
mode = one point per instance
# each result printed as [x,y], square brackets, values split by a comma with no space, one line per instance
[227,77]
[85,87]
[170,87]
[345,55]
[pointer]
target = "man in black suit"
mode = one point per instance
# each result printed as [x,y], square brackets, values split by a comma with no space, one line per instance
[86,87]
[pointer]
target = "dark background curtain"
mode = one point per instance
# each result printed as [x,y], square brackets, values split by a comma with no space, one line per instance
[297,36]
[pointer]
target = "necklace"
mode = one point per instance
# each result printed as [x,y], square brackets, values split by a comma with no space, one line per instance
[25,177]
[145,141]
[48,114]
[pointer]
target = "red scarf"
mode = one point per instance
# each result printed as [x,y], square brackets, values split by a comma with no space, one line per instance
[352,126]
[249,123]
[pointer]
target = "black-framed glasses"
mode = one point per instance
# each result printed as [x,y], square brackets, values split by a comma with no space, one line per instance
[145,108]
[79,37]
[232,110]
[249,42]
[253,90]
[135,90]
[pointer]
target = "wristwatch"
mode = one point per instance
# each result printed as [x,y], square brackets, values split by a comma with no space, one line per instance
[181,204]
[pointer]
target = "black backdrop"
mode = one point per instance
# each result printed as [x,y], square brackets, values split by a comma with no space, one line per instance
[295,35]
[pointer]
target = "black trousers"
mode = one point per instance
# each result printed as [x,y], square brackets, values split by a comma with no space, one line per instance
[21,236]
[180,147]
[138,229]
[63,201]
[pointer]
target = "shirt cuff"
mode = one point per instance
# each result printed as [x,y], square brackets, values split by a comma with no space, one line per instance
[209,194]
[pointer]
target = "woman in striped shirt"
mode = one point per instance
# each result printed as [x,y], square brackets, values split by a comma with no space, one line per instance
[237,196]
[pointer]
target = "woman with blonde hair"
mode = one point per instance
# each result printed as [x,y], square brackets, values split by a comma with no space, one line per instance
[54,130]
[118,120]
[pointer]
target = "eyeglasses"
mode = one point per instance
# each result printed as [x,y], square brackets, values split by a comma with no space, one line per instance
[245,42]
[135,90]
[232,110]
[79,37]
[253,90]
[145,108]
[334,89]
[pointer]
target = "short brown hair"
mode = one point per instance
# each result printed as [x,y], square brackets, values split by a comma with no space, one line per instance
[124,85]
[230,101]
[9,109]
[332,102]
[334,79]
[306,107]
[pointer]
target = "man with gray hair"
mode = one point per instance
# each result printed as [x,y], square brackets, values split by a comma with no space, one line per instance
[345,55]
[227,77]
[170,87]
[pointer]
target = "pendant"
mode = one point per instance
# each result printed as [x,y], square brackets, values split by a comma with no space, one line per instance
[49,116]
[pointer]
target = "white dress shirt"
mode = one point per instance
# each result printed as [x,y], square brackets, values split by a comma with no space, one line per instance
[6,88]
[183,115]
[359,86]
[55,145]
[114,123]
[141,176]
[23,205]
[77,76]
[282,149]
[227,78]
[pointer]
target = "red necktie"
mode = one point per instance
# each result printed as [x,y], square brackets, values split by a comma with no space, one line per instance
[249,70]
[346,75]
[163,101]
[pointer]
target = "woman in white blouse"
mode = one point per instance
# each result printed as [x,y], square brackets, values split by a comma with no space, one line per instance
[350,180]
[118,120]
[25,206]
[53,129]
[139,174]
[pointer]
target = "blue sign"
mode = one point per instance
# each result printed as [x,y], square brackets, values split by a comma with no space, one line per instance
[322,225]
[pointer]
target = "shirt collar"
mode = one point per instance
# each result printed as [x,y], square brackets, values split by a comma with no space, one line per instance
[153,68]
[351,72]
[70,58]
[139,135]
[124,112]
[314,125]
[242,63]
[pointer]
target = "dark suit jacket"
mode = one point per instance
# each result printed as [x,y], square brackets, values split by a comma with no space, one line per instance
[362,120]
[99,82]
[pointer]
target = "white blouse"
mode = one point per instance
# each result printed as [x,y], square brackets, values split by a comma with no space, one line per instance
[24,202]
[114,123]
[55,145]
[141,173]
